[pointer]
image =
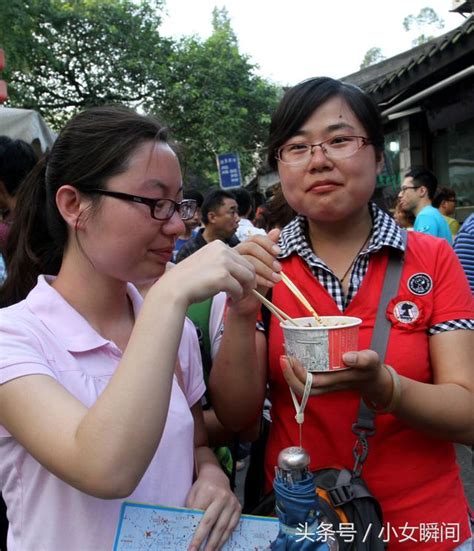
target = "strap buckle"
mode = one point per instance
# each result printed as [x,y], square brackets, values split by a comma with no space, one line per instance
[340,495]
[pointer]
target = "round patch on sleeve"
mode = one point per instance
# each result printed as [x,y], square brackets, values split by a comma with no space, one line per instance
[420,284]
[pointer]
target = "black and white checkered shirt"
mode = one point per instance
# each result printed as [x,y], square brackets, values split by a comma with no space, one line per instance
[386,233]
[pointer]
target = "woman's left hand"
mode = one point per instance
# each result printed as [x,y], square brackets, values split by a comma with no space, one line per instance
[365,376]
[212,492]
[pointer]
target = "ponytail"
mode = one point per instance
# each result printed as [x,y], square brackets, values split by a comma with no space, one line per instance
[31,250]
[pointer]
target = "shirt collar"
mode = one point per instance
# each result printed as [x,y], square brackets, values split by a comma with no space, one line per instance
[386,233]
[63,321]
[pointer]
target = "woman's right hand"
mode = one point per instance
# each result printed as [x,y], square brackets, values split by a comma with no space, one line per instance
[213,268]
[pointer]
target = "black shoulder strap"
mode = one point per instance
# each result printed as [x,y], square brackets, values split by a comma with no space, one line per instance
[365,424]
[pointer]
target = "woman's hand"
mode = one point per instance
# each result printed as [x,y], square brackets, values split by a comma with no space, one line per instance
[261,251]
[213,268]
[212,492]
[365,376]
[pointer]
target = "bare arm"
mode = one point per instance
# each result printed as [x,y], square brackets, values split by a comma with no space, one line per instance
[104,450]
[238,377]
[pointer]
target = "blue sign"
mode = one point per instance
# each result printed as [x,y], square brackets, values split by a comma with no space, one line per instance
[229,170]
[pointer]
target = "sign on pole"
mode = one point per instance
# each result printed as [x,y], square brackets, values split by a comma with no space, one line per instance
[229,170]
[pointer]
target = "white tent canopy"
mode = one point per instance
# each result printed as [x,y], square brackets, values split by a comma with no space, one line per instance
[26,125]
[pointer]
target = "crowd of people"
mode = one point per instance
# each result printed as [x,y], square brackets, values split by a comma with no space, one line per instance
[103,396]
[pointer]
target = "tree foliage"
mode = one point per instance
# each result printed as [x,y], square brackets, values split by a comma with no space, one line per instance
[372,56]
[426,18]
[215,103]
[66,55]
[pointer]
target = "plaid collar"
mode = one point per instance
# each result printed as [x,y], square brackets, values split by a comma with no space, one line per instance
[386,233]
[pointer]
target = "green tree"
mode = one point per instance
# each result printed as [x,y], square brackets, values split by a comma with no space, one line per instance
[426,18]
[65,55]
[372,56]
[215,103]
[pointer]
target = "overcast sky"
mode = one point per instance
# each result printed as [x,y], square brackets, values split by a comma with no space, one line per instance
[291,40]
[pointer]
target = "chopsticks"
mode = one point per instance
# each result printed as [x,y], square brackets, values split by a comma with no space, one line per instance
[279,314]
[299,295]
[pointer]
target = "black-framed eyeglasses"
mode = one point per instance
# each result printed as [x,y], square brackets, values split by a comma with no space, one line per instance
[160,209]
[337,147]
[404,188]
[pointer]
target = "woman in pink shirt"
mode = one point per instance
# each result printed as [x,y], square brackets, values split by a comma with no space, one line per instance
[99,393]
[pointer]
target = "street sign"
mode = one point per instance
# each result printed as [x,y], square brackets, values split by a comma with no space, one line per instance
[229,170]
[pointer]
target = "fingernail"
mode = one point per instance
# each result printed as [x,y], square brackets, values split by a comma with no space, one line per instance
[276,249]
[276,265]
[276,276]
[283,363]
[350,358]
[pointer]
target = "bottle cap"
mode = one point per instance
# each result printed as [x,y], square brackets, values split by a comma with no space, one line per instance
[294,461]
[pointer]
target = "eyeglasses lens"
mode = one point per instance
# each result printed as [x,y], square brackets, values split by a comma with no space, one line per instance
[339,147]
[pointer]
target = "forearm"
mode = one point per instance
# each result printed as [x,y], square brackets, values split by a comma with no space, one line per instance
[125,425]
[444,411]
[237,380]
[218,435]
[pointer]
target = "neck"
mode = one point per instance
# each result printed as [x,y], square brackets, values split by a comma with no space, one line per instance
[421,205]
[340,234]
[101,300]
[338,244]
[208,234]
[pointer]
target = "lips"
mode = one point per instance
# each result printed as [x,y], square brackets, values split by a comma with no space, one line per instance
[165,254]
[323,186]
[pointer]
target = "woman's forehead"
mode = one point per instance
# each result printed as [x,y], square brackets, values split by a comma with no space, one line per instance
[333,115]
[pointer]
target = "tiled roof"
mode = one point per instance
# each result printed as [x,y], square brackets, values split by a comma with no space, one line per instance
[443,56]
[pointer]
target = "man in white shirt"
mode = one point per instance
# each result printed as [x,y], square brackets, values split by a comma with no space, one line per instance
[245,209]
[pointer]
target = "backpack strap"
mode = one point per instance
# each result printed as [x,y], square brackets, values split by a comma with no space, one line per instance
[365,424]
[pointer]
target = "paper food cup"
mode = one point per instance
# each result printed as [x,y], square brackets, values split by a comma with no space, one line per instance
[320,347]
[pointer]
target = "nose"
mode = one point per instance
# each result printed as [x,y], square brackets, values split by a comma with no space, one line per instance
[174,225]
[318,159]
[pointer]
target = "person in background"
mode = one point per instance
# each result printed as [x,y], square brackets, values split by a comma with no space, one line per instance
[191,225]
[464,248]
[279,211]
[326,141]
[246,211]
[220,219]
[405,219]
[416,195]
[17,158]
[445,202]
[99,389]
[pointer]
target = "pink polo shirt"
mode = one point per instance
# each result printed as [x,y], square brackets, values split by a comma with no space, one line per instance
[44,334]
